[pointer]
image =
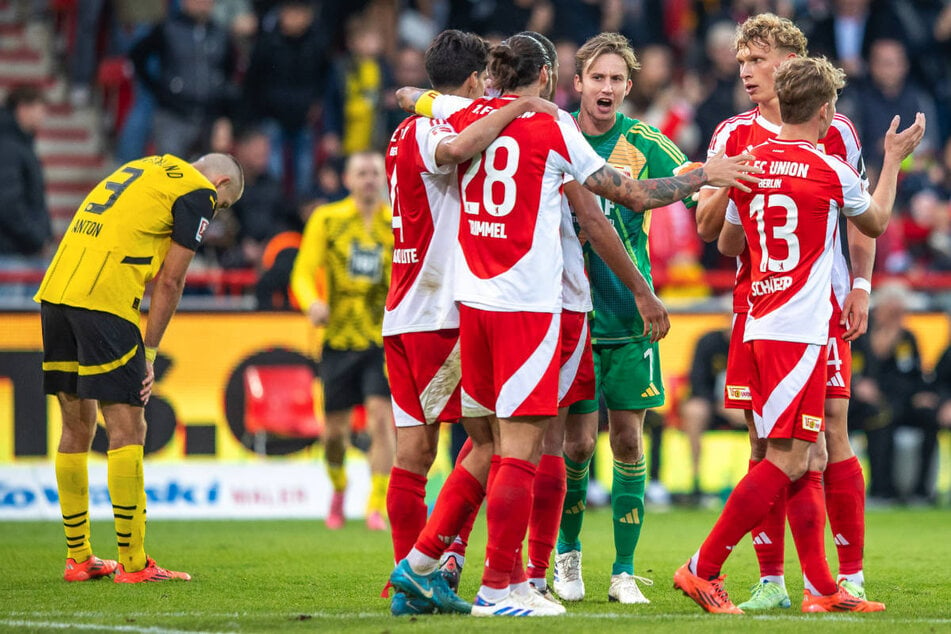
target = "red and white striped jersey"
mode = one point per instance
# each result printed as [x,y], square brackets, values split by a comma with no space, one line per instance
[791,225]
[747,130]
[512,210]
[425,200]
[576,291]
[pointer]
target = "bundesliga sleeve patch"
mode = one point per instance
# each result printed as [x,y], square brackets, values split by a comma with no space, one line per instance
[201,229]
[811,423]
[738,392]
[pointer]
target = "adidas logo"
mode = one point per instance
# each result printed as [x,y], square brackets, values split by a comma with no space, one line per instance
[836,380]
[632,517]
[574,510]
[446,539]
[650,391]
[840,540]
[762,539]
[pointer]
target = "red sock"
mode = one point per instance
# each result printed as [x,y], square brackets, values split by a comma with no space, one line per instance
[518,570]
[507,508]
[461,542]
[464,451]
[548,497]
[406,508]
[769,536]
[460,494]
[747,506]
[807,521]
[845,504]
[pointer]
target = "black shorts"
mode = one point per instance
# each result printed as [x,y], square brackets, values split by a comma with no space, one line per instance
[350,376]
[91,354]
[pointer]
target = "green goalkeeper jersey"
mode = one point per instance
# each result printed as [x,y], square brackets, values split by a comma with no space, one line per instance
[640,151]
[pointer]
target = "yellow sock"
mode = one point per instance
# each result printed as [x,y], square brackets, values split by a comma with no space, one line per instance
[72,481]
[338,476]
[127,490]
[378,485]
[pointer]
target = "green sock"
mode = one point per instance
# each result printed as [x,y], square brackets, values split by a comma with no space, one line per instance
[576,498]
[627,504]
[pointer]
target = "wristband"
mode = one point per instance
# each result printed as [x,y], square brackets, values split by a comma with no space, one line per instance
[862,283]
[150,354]
[424,105]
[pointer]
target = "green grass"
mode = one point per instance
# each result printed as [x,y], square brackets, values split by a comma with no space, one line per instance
[296,576]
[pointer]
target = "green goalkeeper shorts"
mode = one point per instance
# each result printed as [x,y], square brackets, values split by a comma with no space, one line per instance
[628,375]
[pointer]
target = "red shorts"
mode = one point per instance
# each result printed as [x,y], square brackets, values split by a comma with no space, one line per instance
[509,362]
[576,375]
[739,368]
[839,376]
[424,371]
[788,389]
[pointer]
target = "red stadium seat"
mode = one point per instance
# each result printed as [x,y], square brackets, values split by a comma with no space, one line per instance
[279,400]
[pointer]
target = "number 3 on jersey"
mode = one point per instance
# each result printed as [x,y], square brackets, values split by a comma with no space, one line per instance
[496,179]
[784,233]
[116,188]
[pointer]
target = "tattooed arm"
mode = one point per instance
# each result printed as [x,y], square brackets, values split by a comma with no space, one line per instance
[639,195]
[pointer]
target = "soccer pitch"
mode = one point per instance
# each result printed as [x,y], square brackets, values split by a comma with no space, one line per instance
[296,576]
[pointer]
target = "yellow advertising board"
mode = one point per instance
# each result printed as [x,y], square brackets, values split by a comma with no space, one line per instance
[197,407]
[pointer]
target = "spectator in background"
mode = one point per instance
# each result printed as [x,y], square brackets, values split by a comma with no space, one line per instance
[704,408]
[566,96]
[889,390]
[24,219]
[340,279]
[494,19]
[284,89]
[658,99]
[845,34]
[238,18]
[713,81]
[408,70]
[888,91]
[580,21]
[191,82]
[642,21]
[262,212]
[115,19]
[354,104]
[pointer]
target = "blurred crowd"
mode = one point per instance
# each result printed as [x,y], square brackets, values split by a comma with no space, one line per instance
[292,87]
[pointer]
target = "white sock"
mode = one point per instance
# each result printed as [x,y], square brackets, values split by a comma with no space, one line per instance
[857,578]
[520,588]
[420,563]
[460,559]
[777,579]
[539,583]
[493,595]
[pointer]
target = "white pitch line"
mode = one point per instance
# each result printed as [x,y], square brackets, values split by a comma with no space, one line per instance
[72,625]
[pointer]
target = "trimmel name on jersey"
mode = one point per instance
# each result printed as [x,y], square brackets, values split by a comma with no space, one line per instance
[487,229]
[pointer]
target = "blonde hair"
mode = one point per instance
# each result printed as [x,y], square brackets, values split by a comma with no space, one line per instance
[768,30]
[803,84]
[604,44]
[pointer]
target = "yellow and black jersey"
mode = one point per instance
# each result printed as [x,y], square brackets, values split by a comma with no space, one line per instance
[346,263]
[121,232]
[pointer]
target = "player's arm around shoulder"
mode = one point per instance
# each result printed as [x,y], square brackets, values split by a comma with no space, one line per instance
[482,132]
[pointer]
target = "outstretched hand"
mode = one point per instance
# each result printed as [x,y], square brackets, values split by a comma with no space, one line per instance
[731,171]
[902,144]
